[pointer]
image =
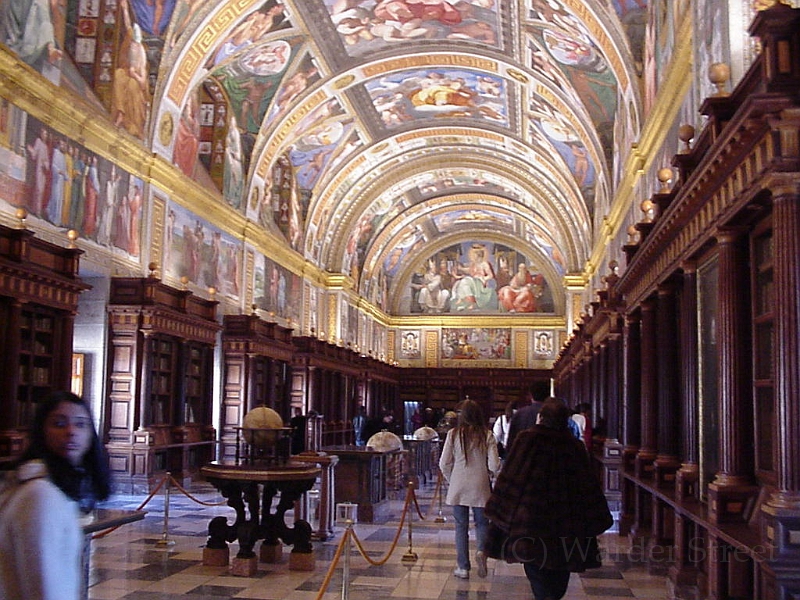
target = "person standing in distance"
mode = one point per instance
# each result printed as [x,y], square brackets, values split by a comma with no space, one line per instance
[63,472]
[469,458]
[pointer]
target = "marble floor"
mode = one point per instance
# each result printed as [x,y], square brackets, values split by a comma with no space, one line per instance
[158,558]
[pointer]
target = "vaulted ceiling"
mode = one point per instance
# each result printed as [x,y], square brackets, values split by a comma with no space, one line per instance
[374,134]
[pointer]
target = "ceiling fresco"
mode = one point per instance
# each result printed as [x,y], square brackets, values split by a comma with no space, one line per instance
[371,136]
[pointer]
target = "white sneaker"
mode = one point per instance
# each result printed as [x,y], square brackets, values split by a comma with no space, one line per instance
[461,573]
[480,558]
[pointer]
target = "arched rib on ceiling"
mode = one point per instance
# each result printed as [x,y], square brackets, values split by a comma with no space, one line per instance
[539,187]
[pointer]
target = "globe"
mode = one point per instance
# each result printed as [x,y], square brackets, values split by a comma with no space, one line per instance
[385,441]
[256,425]
[426,433]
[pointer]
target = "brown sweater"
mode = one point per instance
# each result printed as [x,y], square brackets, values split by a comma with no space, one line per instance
[547,506]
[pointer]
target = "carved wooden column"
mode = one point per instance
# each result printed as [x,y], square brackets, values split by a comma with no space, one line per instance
[601,377]
[585,377]
[11,440]
[733,483]
[689,473]
[643,519]
[782,509]
[649,392]
[632,415]
[612,449]
[631,418]
[667,463]
[614,387]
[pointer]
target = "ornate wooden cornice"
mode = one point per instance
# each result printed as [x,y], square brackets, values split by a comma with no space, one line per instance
[741,158]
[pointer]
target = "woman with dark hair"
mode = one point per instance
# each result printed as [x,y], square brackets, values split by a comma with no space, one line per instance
[468,460]
[63,472]
[548,507]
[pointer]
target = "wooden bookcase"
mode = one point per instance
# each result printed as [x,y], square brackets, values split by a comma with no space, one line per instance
[257,359]
[39,290]
[161,361]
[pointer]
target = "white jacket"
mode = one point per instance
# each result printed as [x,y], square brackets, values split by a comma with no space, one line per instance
[41,541]
[469,482]
[500,429]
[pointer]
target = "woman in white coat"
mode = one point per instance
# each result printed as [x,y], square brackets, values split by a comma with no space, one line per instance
[468,462]
[64,472]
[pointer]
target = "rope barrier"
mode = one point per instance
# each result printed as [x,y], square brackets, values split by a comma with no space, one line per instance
[340,549]
[344,543]
[173,481]
[102,534]
[382,561]
[436,490]
[193,498]
[437,493]
[416,503]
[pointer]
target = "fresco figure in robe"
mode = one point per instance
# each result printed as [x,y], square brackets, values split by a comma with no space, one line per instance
[26,27]
[475,285]
[130,99]
[522,291]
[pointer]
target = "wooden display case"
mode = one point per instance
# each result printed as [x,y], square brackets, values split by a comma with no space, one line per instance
[39,290]
[159,405]
[257,355]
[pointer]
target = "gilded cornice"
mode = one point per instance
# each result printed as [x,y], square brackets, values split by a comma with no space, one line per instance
[477,320]
[70,115]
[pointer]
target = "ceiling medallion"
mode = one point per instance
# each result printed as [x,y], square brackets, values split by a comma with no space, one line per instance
[165,129]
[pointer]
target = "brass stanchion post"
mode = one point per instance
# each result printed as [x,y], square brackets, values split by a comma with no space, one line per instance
[410,555]
[440,518]
[346,564]
[165,541]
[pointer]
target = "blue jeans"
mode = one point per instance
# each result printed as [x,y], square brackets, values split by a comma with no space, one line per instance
[461,517]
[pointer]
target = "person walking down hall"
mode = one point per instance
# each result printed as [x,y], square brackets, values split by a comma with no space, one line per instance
[524,418]
[469,457]
[548,507]
[63,472]
[501,427]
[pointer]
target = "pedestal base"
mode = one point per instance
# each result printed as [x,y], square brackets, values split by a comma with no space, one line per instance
[244,567]
[271,553]
[730,503]
[645,465]
[686,481]
[665,469]
[301,561]
[216,557]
